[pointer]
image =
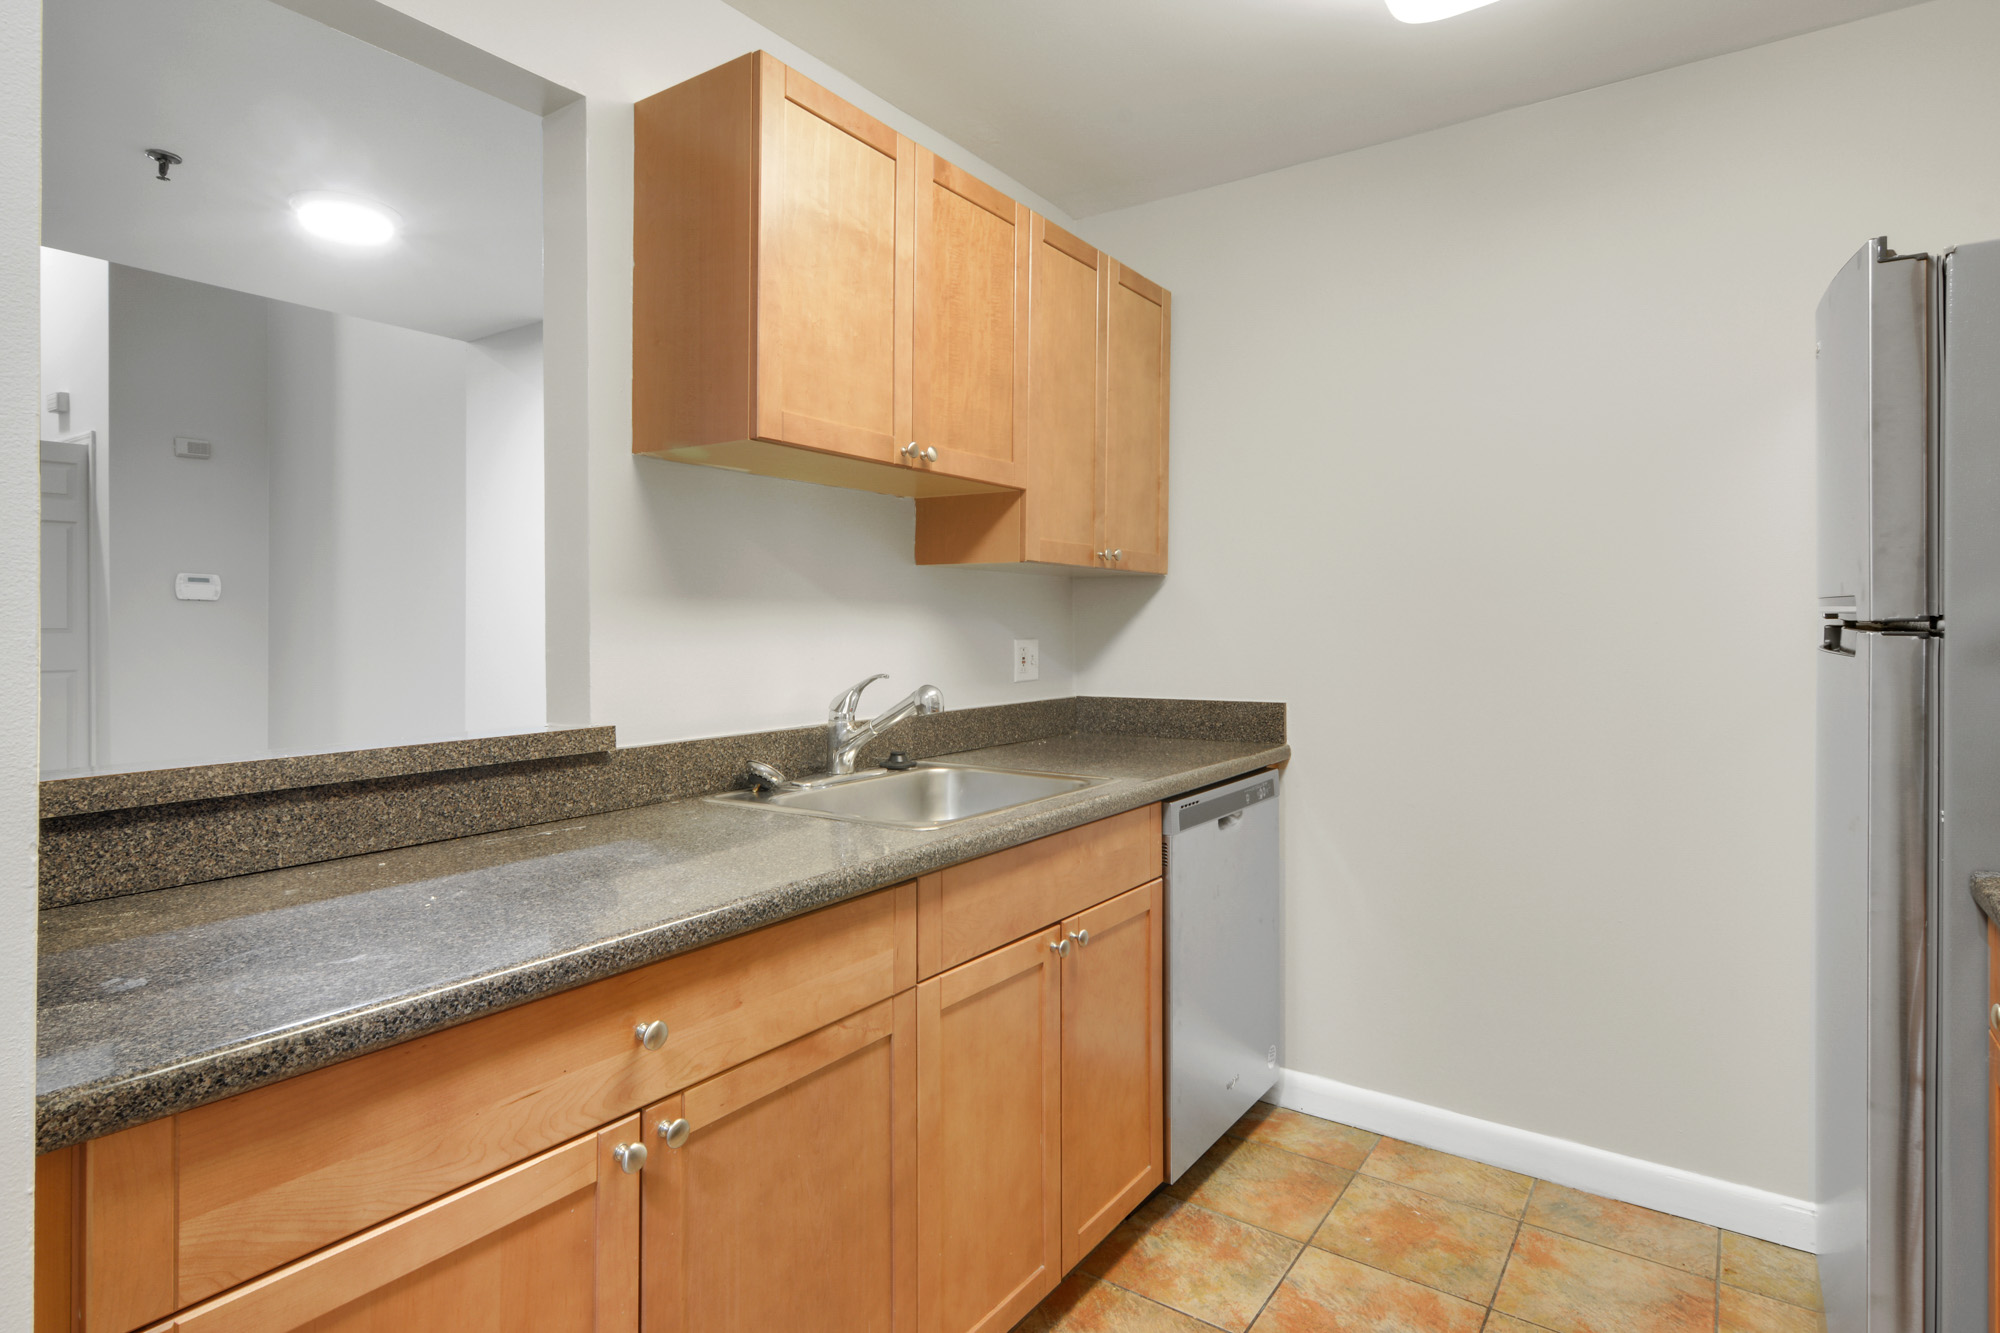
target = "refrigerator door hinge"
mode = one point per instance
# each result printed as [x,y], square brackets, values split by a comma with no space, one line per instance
[1886,255]
[1907,627]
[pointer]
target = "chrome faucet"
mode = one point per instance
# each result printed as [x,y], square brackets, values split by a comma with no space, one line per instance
[845,735]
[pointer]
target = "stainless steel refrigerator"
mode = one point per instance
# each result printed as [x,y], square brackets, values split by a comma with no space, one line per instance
[1909,783]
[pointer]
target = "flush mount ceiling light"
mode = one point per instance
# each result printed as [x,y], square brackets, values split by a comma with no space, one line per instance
[347,221]
[1430,11]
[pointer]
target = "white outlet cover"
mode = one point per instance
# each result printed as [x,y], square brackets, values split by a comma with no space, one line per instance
[198,587]
[1027,659]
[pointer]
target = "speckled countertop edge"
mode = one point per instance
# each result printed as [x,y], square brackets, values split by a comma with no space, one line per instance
[1986,892]
[96,792]
[91,1109]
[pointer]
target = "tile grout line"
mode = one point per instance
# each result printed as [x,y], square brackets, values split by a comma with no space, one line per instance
[1718,1280]
[1534,1180]
[1519,1220]
[1278,1286]
[1500,1281]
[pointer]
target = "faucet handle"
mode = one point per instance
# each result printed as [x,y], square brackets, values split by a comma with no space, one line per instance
[848,700]
[763,777]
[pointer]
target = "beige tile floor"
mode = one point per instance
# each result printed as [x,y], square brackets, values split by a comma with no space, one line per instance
[1297,1225]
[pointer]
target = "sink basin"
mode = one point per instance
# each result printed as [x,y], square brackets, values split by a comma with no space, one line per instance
[926,797]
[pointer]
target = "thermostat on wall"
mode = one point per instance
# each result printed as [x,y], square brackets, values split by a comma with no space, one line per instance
[198,587]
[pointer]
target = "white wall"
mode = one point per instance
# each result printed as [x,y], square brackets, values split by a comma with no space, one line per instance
[20,621]
[1493,455]
[368,532]
[720,602]
[185,682]
[76,341]
[506,677]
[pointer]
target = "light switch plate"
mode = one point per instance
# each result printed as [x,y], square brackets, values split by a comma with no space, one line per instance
[1027,659]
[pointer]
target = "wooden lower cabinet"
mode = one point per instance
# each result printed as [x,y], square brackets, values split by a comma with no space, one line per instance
[1112,1130]
[987,1110]
[989,1134]
[782,1194]
[548,1246]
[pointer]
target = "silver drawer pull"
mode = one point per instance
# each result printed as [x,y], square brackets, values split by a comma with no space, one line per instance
[651,1035]
[631,1157]
[1061,947]
[1082,937]
[673,1132]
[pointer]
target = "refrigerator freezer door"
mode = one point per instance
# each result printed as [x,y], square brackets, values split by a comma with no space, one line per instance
[1967,738]
[1874,437]
[1873,808]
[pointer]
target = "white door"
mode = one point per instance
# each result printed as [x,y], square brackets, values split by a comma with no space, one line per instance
[65,606]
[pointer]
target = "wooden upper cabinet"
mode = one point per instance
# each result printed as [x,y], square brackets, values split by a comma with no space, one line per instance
[1060,518]
[1132,460]
[775,291]
[1096,436]
[789,1199]
[971,325]
[832,241]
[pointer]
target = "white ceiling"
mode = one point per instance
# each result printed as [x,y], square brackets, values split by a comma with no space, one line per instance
[264,104]
[1098,104]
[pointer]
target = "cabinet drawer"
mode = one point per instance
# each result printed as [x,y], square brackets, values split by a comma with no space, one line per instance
[971,909]
[548,1246]
[261,1179]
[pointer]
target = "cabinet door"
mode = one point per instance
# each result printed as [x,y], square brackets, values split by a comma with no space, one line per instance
[1132,463]
[988,1139]
[971,325]
[1062,396]
[1112,1131]
[548,1246]
[790,1203]
[836,193]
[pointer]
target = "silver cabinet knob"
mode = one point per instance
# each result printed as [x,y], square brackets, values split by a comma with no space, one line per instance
[651,1035]
[631,1157]
[1061,947]
[1118,553]
[673,1132]
[929,455]
[910,451]
[1996,1018]
[1082,937]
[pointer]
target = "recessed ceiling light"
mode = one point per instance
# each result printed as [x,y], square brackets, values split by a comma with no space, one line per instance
[1430,11]
[334,217]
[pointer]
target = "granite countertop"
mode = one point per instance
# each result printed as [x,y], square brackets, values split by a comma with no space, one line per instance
[162,1001]
[1986,892]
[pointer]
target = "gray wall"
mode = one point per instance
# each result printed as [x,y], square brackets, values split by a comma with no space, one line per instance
[1529,548]
[185,682]
[368,532]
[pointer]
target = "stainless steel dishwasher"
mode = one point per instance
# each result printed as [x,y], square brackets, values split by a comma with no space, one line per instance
[1222,960]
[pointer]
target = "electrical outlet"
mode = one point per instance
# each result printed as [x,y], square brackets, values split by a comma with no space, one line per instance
[1027,659]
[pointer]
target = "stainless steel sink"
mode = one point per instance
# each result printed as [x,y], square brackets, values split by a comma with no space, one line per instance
[926,797]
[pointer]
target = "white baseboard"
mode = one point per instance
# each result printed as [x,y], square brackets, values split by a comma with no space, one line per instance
[1666,1189]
